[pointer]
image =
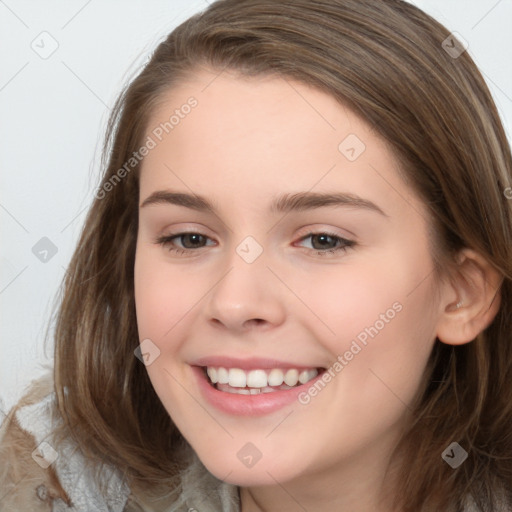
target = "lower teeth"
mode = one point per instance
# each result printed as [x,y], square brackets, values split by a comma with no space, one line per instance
[249,391]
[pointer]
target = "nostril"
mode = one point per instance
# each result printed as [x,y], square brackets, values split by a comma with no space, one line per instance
[255,321]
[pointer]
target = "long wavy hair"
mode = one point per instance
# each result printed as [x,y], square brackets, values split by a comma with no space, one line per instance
[386,60]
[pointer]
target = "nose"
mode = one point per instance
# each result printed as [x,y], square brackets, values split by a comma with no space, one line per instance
[246,296]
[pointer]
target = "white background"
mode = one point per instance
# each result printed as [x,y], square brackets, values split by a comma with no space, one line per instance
[52,119]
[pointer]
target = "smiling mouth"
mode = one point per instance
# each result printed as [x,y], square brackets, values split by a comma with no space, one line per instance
[254,382]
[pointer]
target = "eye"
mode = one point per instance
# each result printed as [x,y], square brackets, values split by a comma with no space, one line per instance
[328,243]
[190,241]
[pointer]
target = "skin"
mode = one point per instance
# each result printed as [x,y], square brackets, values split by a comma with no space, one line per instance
[247,141]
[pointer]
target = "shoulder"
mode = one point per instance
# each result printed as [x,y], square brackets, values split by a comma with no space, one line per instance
[25,484]
[38,473]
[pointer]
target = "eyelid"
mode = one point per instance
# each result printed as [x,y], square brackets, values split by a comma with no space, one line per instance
[321,228]
[181,229]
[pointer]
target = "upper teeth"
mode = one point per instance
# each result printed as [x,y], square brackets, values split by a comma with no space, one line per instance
[238,378]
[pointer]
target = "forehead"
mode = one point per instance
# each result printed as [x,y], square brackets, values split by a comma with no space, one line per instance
[263,113]
[246,136]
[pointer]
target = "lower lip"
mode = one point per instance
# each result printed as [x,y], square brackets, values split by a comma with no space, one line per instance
[248,405]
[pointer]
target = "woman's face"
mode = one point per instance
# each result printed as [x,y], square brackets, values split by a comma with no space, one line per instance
[307,252]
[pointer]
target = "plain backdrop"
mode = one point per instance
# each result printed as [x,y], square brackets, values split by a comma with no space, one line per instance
[62,65]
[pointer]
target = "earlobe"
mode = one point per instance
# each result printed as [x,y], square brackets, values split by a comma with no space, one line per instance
[476,289]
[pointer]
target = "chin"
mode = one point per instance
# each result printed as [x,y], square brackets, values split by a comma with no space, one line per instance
[259,475]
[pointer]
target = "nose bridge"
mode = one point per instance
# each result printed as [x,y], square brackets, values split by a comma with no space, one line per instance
[246,291]
[246,272]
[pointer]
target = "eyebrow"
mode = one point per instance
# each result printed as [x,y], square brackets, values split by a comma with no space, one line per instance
[285,203]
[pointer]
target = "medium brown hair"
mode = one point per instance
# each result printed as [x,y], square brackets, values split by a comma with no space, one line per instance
[384,59]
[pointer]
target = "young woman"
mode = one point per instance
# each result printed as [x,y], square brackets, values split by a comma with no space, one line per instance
[293,290]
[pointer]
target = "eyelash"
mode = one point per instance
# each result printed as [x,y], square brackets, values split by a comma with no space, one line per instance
[166,240]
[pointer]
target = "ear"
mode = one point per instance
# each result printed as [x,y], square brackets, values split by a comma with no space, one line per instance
[469,300]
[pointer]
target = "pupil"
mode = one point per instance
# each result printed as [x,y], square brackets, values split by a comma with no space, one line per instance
[323,238]
[194,237]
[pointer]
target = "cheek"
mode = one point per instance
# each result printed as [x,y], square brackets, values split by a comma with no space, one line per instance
[379,314]
[386,341]
[351,298]
[163,296]
[162,301]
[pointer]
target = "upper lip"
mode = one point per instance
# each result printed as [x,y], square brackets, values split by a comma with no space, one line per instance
[253,363]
